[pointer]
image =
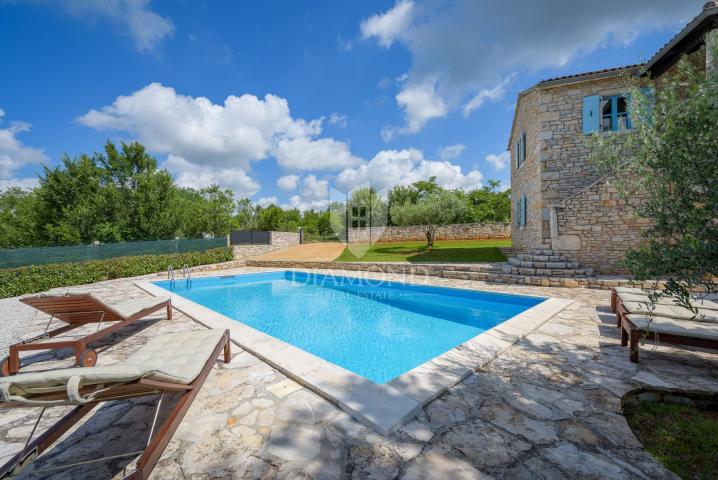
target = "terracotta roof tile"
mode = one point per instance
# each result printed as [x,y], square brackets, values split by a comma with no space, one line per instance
[595,72]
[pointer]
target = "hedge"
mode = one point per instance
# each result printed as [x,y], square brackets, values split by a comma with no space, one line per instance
[38,278]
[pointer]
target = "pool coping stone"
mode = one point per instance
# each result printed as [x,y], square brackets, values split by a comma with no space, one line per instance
[383,407]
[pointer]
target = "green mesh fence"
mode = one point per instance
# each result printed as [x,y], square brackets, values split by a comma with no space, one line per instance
[17,257]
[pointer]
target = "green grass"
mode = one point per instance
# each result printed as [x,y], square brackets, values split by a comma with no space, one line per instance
[683,438]
[448,251]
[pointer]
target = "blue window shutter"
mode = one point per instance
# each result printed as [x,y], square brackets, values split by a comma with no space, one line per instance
[518,212]
[523,210]
[523,147]
[591,114]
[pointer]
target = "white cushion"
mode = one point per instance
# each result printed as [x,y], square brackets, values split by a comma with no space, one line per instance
[671,311]
[685,328]
[174,358]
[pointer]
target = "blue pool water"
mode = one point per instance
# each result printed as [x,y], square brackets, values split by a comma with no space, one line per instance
[378,330]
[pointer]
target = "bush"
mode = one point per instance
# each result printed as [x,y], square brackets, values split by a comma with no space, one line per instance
[38,278]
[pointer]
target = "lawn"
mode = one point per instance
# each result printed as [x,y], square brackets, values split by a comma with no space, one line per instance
[683,438]
[448,251]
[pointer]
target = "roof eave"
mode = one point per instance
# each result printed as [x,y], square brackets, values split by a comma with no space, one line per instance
[589,78]
[672,51]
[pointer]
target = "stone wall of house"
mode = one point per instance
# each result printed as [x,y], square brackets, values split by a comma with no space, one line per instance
[526,180]
[597,227]
[464,231]
[565,169]
[594,226]
[277,240]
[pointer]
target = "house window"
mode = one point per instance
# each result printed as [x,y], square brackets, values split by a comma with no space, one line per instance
[521,150]
[521,211]
[615,114]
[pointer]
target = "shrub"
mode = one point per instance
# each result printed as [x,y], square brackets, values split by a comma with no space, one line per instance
[38,278]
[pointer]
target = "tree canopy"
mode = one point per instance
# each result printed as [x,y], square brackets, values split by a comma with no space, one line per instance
[439,207]
[671,159]
[120,194]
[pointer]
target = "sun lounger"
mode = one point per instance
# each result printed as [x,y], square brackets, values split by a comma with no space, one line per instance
[637,302]
[666,330]
[171,363]
[76,310]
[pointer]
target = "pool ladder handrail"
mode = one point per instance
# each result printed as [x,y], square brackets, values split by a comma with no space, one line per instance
[171,275]
[187,274]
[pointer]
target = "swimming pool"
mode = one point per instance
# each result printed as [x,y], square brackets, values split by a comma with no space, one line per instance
[378,330]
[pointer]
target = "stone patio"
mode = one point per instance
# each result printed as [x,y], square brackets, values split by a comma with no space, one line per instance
[549,407]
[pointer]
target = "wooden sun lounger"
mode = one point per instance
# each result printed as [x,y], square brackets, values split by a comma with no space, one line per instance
[666,330]
[637,298]
[76,310]
[184,373]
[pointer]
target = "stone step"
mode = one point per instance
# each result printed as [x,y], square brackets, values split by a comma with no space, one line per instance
[466,275]
[542,251]
[543,258]
[557,272]
[543,265]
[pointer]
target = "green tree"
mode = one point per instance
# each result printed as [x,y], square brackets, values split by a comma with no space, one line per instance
[671,159]
[489,204]
[401,194]
[437,208]
[18,218]
[247,214]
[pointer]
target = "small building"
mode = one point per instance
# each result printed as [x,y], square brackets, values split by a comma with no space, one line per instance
[561,203]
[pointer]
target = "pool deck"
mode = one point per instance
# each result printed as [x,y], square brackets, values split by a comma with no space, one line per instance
[548,407]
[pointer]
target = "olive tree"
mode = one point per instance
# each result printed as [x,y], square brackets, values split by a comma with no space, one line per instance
[437,208]
[671,159]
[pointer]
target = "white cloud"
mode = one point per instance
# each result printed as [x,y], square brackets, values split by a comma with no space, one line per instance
[488,94]
[242,130]
[338,119]
[403,167]
[387,26]
[451,152]
[15,155]
[133,17]
[231,135]
[462,48]
[267,201]
[288,182]
[191,175]
[421,103]
[499,161]
[314,194]
[303,153]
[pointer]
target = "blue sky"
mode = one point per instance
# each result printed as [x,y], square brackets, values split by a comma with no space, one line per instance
[281,101]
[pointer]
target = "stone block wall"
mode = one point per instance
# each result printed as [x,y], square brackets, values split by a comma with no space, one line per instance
[277,240]
[526,180]
[464,231]
[283,239]
[598,228]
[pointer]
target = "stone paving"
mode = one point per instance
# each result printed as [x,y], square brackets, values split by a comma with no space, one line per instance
[547,408]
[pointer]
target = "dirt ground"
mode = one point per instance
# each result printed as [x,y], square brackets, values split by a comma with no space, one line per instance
[313,252]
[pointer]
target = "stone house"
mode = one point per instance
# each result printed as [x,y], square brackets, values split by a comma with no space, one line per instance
[562,206]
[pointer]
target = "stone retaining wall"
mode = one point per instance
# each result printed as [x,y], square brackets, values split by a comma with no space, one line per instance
[487,272]
[460,231]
